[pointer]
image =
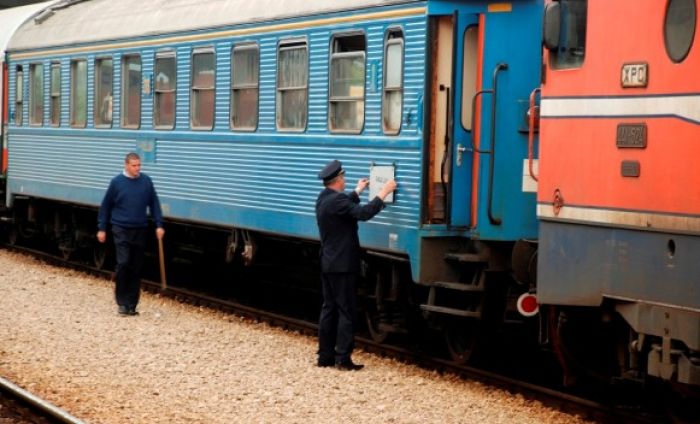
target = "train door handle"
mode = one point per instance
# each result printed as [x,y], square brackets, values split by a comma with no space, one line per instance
[460,150]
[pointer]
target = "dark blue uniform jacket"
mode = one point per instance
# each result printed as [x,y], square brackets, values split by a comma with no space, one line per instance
[337,215]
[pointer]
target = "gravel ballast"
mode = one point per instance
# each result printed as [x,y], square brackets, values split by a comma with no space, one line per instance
[61,338]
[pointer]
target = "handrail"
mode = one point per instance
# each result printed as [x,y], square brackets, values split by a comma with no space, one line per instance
[500,67]
[531,133]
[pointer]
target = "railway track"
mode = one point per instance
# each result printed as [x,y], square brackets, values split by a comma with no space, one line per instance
[27,407]
[566,402]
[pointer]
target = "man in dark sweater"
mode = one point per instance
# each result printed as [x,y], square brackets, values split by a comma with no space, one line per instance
[337,214]
[124,206]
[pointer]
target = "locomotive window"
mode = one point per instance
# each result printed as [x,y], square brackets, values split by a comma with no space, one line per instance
[165,95]
[392,95]
[469,74]
[571,48]
[679,28]
[292,85]
[55,95]
[131,91]
[36,94]
[19,96]
[245,67]
[78,93]
[347,84]
[203,90]
[104,71]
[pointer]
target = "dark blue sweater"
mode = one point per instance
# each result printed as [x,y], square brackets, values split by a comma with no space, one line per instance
[126,201]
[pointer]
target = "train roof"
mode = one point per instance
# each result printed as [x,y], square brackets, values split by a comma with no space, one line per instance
[11,19]
[85,21]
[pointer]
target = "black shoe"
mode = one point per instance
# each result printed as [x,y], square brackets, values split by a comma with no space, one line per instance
[133,311]
[348,366]
[325,364]
[123,310]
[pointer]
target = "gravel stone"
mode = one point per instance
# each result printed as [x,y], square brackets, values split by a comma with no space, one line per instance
[61,338]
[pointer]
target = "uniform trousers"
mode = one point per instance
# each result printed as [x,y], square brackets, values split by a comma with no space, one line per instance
[129,243]
[336,324]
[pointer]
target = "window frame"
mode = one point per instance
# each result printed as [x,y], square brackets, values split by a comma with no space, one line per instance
[33,121]
[55,94]
[164,54]
[202,50]
[19,95]
[289,44]
[73,93]
[342,55]
[96,92]
[389,41]
[250,45]
[123,97]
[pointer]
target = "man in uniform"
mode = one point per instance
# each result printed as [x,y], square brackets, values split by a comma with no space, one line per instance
[337,214]
[125,203]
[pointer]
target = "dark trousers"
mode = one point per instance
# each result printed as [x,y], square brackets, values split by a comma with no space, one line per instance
[336,325]
[129,243]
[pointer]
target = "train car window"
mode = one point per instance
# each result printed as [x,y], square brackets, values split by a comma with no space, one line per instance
[131,91]
[19,96]
[392,95]
[346,85]
[36,94]
[245,71]
[565,32]
[55,95]
[292,85]
[104,73]
[679,28]
[78,93]
[165,91]
[469,74]
[203,90]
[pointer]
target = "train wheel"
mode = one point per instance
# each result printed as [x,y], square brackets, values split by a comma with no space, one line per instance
[462,336]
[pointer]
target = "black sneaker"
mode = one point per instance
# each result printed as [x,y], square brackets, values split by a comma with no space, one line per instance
[133,311]
[348,366]
[123,310]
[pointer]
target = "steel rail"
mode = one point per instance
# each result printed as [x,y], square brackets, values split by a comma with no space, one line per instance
[38,404]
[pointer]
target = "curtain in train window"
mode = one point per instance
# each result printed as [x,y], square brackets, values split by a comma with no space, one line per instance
[203,90]
[36,94]
[131,91]
[78,93]
[392,95]
[347,84]
[244,87]
[165,86]
[19,96]
[292,86]
[104,73]
[572,36]
[55,95]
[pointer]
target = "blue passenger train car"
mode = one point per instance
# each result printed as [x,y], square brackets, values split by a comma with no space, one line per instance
[236,105]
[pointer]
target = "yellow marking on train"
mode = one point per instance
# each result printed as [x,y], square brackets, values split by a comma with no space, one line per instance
[500,7]
[223,34]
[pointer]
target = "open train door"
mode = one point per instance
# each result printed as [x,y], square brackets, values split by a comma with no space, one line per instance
[455,58]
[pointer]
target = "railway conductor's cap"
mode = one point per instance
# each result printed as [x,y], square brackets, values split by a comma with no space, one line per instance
[331,170]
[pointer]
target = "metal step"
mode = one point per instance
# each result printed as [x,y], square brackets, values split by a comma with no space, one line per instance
[457,286]
[451,311]
[466,257]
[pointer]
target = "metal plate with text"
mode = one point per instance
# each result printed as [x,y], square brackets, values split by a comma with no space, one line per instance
[632,135]
[634,75]
[630,168]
